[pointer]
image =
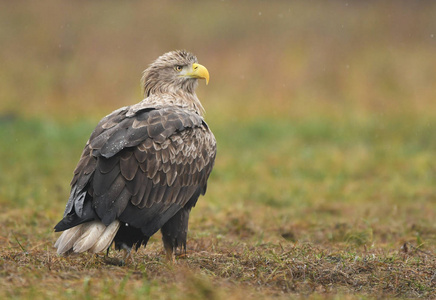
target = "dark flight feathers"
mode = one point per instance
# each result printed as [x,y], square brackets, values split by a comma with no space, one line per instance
[141,169]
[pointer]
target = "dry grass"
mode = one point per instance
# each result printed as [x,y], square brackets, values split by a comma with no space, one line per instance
[216,268]
[324,185]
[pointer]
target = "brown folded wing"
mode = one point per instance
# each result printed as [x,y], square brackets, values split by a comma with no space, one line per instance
[142,169]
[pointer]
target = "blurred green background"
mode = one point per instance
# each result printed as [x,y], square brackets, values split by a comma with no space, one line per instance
[287,59]
[324,111]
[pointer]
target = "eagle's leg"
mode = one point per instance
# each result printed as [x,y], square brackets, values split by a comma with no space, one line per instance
[169,254]
[127,254]
[117,262]
[174,233]
[107,250]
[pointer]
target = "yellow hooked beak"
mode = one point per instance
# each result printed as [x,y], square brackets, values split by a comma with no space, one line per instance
[199,71]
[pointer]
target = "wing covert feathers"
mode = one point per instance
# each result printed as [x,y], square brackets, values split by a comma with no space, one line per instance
[149,160]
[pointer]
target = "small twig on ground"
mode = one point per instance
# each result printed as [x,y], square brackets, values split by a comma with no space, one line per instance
[19,244]
[24,249]
[406,249]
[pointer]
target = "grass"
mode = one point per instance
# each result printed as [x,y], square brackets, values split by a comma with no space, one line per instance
[324,184]
[336,226]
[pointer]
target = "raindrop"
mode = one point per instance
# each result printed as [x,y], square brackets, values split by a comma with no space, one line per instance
[260,13]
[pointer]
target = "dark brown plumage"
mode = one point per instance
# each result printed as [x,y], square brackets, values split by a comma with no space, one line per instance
[144,166]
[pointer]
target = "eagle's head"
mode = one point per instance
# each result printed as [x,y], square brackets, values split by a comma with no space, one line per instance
[173,72]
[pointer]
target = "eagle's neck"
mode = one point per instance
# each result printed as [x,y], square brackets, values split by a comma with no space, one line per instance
[188,101]
[163,93]
[184,99]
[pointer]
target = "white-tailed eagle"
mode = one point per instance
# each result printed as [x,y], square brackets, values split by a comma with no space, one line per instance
[144,166]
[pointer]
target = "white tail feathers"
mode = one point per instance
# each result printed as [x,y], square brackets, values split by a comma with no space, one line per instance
[67,239]
[106,238]
[91,236]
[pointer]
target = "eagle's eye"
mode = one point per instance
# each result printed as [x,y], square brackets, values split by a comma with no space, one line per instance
[178,68]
